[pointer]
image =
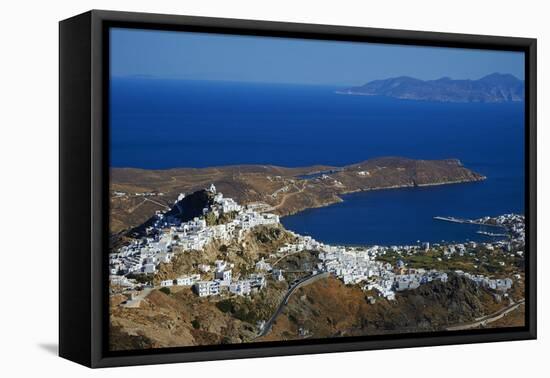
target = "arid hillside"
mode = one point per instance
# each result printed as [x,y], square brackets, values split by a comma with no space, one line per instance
[328,308]
[136,194]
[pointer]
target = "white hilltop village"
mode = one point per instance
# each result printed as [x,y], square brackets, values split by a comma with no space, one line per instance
[352,265]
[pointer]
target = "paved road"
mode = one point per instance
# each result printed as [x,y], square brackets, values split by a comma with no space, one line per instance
[302,282]
[489,318]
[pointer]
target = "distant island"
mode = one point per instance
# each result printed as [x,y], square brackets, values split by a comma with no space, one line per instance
[494,88]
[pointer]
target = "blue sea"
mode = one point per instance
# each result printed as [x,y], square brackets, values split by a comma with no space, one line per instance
[159,124]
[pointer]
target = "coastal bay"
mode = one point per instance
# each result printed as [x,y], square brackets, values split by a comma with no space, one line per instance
[349,171]
[275,131]
[253,202]
[137,194]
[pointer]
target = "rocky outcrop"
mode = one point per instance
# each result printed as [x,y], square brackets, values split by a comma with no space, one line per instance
[184,209]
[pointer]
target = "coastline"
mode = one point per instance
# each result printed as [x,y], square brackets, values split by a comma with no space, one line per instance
[285,191]
[392,187]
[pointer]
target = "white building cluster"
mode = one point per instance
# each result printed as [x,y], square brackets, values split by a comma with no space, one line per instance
[356,266]
[196,234]
[352,265]
[144,256]
[416,277]
[223,283]
[302,243]
[141,256]
[513,223]
[499,284]
[182,281]
[224,205]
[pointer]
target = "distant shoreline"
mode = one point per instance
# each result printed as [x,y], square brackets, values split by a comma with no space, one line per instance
[493,88]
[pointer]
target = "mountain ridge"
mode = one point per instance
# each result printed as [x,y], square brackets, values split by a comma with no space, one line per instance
[492,88]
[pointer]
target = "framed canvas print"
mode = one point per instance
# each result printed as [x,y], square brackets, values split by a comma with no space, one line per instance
[233,188]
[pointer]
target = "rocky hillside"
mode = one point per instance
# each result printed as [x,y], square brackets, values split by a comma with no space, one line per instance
[328,308]
[256,244]
[284,190]
[184,209]
[181,318]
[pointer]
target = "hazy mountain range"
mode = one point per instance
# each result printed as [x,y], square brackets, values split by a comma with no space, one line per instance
[491,88]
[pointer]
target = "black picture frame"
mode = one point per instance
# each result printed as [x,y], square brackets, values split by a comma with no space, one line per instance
[84,179]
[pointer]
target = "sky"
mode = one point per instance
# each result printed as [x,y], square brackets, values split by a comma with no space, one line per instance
[203,56]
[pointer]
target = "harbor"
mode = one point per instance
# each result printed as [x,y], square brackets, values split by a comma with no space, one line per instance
[506,224]
[465,221]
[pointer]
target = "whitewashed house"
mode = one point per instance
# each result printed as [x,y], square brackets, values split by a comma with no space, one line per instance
[240,287]
[167,283]
[224,275]
[188,280]
[204,268]
[278,275]
[149,268]
[207,288]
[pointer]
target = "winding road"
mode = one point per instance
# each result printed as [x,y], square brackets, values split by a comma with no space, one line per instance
[302,282]
[489,318]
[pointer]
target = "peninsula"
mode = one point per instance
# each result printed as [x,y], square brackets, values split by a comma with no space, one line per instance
[137,194]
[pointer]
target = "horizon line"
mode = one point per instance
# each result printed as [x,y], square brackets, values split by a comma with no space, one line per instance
[183,78]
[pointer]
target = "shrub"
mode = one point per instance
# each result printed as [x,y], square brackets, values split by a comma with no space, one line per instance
[225,306]
[142,278]
[196,324]
[165,290]
[211,219]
